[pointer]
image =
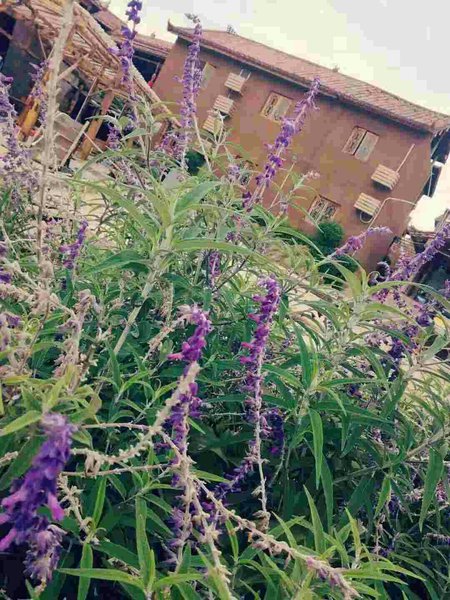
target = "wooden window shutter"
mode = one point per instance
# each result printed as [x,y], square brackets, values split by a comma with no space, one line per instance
[281,108]
[366,146]
[207,73]
[354,140]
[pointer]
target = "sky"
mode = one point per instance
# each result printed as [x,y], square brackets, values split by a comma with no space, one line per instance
[399,45]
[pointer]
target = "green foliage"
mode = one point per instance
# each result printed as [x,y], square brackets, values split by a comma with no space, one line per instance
[328,237]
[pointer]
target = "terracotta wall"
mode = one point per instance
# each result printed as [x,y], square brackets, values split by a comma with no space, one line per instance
[319,147]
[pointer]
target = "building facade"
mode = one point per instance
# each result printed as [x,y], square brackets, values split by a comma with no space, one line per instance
[374,152]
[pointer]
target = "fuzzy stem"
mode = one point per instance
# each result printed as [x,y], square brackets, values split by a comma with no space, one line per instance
[52,106]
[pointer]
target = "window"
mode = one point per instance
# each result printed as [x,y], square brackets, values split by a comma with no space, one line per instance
[360,143]
[245,73]
[276,107]
[207,73]
[322,210]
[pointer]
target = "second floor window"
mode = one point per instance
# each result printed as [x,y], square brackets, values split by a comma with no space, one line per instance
[360,143]
[276,107]
[322,210]
[207,73]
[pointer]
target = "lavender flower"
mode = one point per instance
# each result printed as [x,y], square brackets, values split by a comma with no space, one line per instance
[188,406]
[8,321]
[410,266]
[15,162]
[113,138]
[192,349]
[213,267]
[289,128]
[126,51]
[356,242]
[72,251]
[38,488]
[273,430]
[38,92]
[257,347]
[192,77]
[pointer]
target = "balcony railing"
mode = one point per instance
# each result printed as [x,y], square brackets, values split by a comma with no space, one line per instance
[386,177]
[367,204]
[224,105]
[235,82]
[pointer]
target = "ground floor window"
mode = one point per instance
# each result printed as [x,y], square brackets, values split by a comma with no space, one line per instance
[322,210]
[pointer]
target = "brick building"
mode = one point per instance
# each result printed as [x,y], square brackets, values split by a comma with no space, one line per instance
[369,146]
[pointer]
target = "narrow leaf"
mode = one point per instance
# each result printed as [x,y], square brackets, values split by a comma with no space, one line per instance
[85,563]
[434,473]
[32,416]
[317,430]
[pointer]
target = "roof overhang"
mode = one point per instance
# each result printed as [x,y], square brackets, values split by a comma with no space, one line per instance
[436,128]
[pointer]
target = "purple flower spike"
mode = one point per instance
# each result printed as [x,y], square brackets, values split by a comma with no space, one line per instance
[257,347]
[410,266]
[38,92]
[126,51]
[189,406]
[15,163]
[213,267]
[37,489]
[356,242]
[192,349]
[192,78]
[72,251]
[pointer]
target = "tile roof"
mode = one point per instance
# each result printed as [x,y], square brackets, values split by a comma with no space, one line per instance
[143,43]
[152,45]
[346,89]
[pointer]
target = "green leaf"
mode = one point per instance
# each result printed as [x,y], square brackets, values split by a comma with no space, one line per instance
[327,484]
[145,554]
[317,430]
[233,541]
[99,500]
[116,551]
[85,563]
[106,575]
[385,494]
[32,416]
[305,358]
[22,461]
[176,579]
[129,259]
[434,474]
[319,538]
[356,537]
[194,196]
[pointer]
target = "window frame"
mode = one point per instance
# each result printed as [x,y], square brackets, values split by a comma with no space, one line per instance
[322,216]
[356,144]
[278,97]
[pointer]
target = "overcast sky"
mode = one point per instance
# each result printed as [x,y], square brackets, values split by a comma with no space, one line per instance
[399,45]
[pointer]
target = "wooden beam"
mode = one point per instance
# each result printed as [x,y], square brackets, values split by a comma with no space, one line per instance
[91,133]
[28,117]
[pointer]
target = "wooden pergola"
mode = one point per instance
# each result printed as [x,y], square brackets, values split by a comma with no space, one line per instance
[88,50]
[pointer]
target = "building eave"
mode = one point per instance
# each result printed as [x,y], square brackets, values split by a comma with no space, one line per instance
[435,129]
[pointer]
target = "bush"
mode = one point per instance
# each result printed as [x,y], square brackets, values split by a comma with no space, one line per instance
[328,237]
[239,429]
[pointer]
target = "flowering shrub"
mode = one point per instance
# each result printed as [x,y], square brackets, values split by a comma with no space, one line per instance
[183,416]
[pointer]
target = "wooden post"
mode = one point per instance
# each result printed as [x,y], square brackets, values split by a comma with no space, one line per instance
[28,118]
[95,125]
